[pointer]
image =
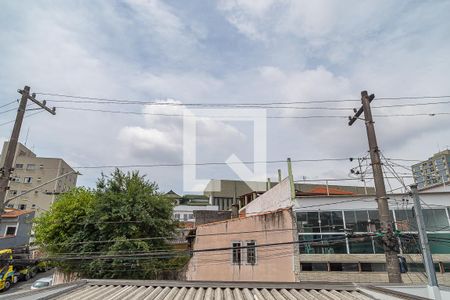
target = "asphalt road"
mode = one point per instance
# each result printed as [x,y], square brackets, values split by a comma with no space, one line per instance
[23,286]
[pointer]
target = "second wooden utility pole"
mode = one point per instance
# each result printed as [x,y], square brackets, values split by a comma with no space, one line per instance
[7,168]
[390,242]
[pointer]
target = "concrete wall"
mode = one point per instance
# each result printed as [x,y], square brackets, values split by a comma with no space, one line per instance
[274,263]
[276,198]
[204,217]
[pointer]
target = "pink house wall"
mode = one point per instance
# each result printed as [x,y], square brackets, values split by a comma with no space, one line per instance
[273,263]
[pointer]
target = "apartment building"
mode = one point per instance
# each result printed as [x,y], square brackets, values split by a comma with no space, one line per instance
[31,171]
[433,171]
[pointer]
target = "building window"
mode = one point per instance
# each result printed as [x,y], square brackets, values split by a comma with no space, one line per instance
[33,206]
[22,206]
[435,219]
[10,230]
[191,216]
[31,166]
[41,166]
[27,179]
[15,179]
[344,267]
[19,166]
[236,253]
[177,216]
[357,220]
[314,267]
[373,267]
[251,252]
[308,222]
[11,205]
[331,221]
[185,217]
[12,192]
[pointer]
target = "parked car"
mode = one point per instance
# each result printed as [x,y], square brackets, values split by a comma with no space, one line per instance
[42,283]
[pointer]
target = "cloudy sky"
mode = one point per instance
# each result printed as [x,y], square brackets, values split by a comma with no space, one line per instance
[211,52]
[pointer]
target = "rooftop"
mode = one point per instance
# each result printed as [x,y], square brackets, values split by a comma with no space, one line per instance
[139,289]
[14,213]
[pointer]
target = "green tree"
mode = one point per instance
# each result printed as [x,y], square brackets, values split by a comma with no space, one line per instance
[121,228]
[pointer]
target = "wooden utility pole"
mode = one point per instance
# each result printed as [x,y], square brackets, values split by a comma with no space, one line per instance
[390,242]
[7,168]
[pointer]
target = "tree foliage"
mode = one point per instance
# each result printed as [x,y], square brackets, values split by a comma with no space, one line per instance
[124,215]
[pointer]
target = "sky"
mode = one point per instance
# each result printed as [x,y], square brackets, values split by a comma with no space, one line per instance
[215,52]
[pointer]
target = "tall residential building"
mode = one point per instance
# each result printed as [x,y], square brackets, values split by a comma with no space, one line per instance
[434,171]
[31,171]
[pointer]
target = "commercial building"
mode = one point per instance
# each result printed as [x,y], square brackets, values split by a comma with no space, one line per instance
[337,237]
[185,213]
[15,228]
[31,171]
[225,193]
[433,171]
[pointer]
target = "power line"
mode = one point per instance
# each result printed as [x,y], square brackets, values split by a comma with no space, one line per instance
[9,103]
[246,105]
[240,117]
[225,163]
[265,103]
[193,116]
[26,116]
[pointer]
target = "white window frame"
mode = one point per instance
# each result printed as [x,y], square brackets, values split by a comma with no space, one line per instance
[9,226]
[28,181]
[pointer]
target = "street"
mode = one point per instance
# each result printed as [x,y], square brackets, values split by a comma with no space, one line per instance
[23,286]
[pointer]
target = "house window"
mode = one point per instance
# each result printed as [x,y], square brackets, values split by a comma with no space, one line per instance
[41,166]
[19,166]
[27,179]
[191,216]
[22,206]
[236,252]
[15,179]
[251,252]
[185,217]
[12,192]
[33,206]
[177,216]
[10,230]
[31,166]
[11,205]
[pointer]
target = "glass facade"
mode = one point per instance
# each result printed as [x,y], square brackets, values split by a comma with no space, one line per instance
[341,231]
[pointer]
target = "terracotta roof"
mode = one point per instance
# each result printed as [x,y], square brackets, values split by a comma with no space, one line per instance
[322,190]
[14,213]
